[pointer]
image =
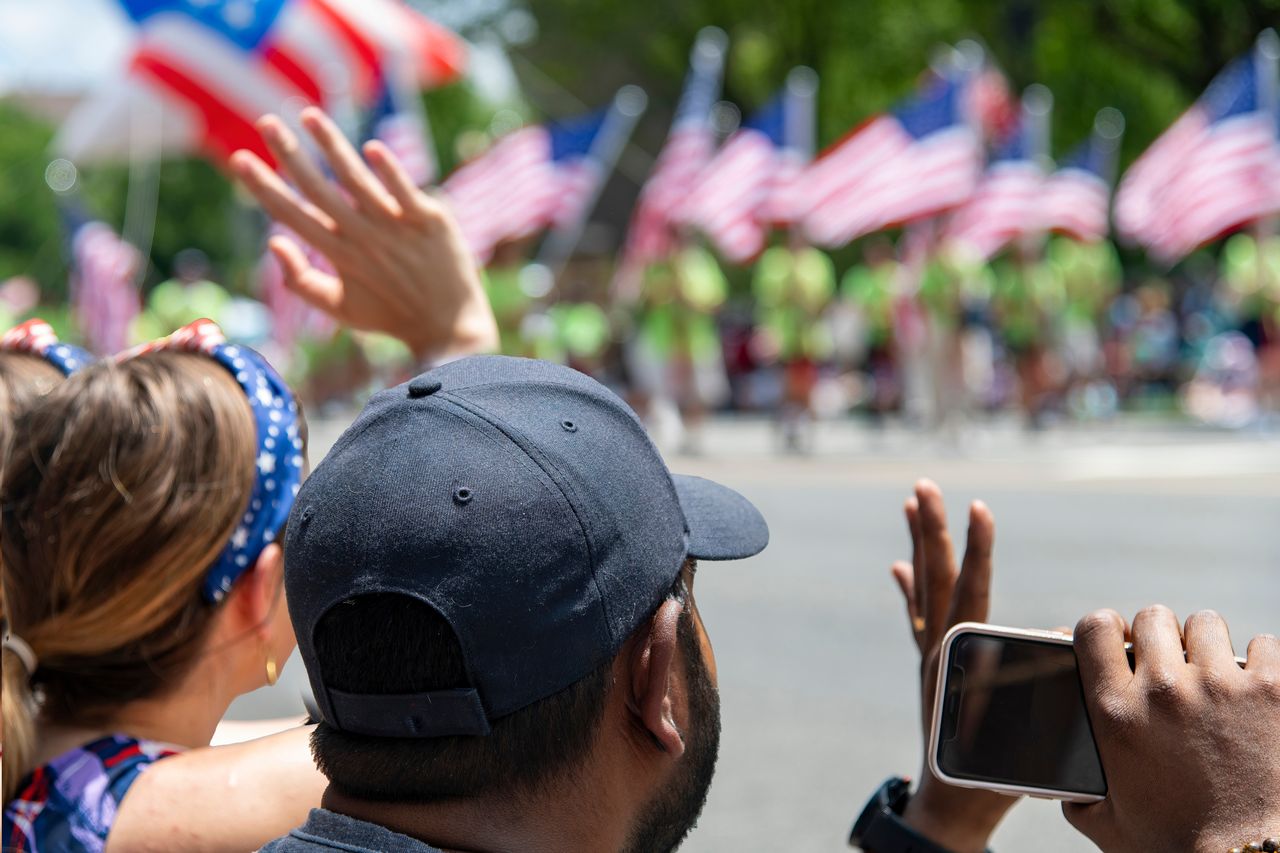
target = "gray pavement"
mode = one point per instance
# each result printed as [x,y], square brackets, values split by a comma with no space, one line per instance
[816,665]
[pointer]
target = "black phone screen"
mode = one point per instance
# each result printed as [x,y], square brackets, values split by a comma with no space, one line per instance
[1014,713]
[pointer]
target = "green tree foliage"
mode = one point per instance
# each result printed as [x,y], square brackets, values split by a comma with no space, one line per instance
[1148,58]
[29,243]
[195,208]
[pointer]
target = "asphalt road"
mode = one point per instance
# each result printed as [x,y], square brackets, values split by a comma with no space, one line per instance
[817,669]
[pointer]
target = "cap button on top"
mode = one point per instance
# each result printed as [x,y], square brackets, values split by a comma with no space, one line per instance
[423,387]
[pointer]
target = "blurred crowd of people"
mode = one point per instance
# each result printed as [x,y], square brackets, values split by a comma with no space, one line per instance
[1054,331]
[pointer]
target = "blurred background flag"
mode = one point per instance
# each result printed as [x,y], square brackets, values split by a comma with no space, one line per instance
[1216,169]
[920,159]
[104,281]
[1003,207]
[587,153]
[1077,197]
[751,181]
[689,146]
[578,172]
[399,121]
[202,71]
[528,180]
[504,192]
[799,131]
[728,200]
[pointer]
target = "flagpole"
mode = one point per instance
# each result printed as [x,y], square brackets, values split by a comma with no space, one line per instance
[143,192]
[628,105]
[800,117]
[702,82]
[1108,133]
[1037,115]
[1267,55]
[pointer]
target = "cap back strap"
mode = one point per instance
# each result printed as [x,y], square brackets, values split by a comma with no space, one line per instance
[434,713]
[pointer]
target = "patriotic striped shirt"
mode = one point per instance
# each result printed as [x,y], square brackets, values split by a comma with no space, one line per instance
[70,804]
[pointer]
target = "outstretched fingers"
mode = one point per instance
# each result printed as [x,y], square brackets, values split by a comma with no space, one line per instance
[305,174]
[911,509]
[412,200]
[939,561]
[904,575]
[971,601]
[280,201]
[318,288]
[347,166]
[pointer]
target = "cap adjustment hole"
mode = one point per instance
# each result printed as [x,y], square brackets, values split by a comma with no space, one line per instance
[569,426]
[462,495]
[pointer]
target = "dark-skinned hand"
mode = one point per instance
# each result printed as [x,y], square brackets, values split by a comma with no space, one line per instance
[1189,743]
[939,596]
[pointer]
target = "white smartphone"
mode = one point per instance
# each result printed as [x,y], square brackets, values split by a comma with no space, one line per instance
[1010,715]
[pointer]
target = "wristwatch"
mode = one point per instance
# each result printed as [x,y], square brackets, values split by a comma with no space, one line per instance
[880,827]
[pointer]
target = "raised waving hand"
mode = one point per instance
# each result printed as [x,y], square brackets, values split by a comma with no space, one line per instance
[400,263]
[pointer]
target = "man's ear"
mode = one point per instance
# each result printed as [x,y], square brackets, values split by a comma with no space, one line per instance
[257,593]
[653,662]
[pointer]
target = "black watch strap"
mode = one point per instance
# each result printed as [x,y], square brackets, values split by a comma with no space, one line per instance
[880,827]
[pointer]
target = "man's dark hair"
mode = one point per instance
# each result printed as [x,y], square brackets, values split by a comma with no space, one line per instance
[389,643]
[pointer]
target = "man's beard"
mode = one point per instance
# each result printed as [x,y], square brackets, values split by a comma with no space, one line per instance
[668,818]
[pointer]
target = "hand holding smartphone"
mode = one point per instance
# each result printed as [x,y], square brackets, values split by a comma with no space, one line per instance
[1010,715]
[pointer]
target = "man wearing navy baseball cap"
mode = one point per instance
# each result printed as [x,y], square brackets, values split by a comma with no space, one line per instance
[491,580]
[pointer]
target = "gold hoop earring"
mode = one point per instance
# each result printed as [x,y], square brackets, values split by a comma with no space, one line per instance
[272,674]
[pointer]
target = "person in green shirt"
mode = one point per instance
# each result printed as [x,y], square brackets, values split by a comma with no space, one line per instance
[1091,277]
[677,359]
[1029,298]
[793,285]
[867,290]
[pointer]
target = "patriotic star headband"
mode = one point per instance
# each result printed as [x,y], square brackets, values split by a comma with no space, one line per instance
[37,338]
[278,472]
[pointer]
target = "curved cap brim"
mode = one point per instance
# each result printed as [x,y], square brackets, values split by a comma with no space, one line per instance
[723,525]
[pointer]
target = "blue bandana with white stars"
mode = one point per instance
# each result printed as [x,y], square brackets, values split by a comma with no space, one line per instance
[279,462]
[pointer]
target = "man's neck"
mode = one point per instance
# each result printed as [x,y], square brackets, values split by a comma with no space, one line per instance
[548,822]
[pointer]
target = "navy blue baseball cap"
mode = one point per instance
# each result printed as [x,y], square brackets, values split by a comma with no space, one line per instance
[525,503]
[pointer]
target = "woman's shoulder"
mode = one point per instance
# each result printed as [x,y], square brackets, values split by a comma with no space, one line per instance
[71,802]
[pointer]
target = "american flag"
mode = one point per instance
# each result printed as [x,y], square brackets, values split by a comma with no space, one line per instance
[212,67]
[731,200]
[535,177]
[918,160]
[689,146]
[1004,206]
[104,292]
[1076,197]
[1216,169]
[398,121]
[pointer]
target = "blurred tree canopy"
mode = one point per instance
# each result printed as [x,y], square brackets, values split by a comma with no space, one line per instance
[1148,58]
[194,207]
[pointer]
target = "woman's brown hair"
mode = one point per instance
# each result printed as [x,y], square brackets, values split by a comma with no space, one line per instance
[24,378]
[121,489]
